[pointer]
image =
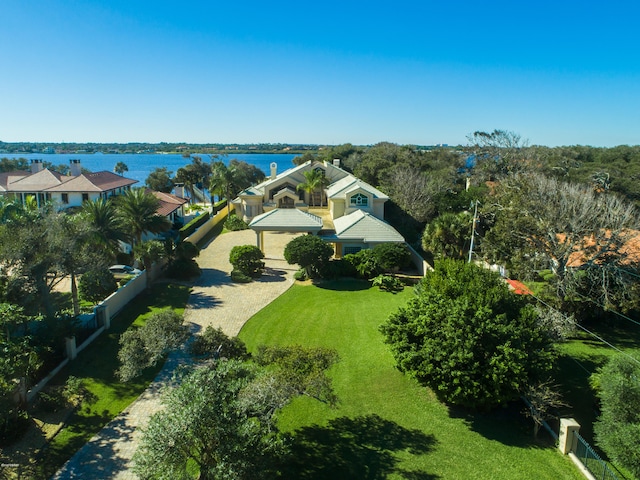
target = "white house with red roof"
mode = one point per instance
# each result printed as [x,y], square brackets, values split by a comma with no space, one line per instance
[64,191]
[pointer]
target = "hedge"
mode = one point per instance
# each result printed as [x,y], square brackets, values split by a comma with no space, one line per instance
[191,227]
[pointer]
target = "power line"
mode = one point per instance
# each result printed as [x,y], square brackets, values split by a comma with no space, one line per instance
[587,331]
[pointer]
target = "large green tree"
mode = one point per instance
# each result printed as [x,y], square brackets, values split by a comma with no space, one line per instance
[220,422]
[468,338]
[617,429]
[160,180]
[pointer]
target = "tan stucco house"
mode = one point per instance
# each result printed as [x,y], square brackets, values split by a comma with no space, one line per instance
[355,208]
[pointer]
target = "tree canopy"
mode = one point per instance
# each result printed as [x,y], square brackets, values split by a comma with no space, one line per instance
[310,252]
[468,338]
[617,429]
[219,422]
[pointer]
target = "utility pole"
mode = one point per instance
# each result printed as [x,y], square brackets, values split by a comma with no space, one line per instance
[473,229]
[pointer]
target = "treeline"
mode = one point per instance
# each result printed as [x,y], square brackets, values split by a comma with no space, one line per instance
[162,147]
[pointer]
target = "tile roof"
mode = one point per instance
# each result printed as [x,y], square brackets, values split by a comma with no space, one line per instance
[286,220]
[49,181]
[169,203]
[364,227]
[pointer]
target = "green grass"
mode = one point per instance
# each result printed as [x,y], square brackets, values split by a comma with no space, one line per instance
[582,356]
[96,366]
[386,425]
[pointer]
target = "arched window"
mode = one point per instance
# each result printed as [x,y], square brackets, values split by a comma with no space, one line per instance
[359,200]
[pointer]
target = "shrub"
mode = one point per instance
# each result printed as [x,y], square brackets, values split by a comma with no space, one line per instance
[617,430]
[147,345]
[239,277]
[235,223]
[388,283]
[310,252]
[338,268]
[13,422]
[191,227]
[364,263]
[214,342]
[247,259]
[181,269]
[392,257]
[95,285]
[300,275]
[58,397]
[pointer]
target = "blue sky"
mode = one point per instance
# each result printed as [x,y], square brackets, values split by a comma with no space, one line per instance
[409,72]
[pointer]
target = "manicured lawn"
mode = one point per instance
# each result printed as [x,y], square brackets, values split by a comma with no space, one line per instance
[96,365]
[386,425]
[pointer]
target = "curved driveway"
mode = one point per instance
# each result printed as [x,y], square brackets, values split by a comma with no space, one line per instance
[215,301]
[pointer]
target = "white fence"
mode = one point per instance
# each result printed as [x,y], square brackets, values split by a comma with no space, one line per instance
[207,226]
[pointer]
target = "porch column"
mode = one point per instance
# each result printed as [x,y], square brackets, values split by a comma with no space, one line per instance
[260,240]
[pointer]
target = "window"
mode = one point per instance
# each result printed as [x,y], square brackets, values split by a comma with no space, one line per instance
[359,200]
[85,197]
[348,250]
[65,198]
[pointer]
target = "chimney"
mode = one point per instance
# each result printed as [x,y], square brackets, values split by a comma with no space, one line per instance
[36,165]
[274,170]
[336,162]
[74,167]
[179,190]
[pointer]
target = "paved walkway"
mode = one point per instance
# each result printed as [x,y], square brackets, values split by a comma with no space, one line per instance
[214,300]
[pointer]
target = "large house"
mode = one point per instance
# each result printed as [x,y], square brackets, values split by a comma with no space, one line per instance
[355,208]
[64,191]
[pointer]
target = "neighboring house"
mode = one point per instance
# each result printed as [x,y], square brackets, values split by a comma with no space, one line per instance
[65,191]
[356,209]
[171,206]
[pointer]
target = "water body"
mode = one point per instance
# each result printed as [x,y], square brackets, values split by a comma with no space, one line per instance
[142,164]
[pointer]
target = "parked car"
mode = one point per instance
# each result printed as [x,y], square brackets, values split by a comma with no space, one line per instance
[122,271]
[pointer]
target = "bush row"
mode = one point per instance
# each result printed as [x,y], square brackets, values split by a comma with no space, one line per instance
[191,227]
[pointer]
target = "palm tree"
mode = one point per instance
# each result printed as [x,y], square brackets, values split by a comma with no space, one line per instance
[446,236]
[69,240]
[314,180]
[107,233]
[146,253]
[225,181]
[10,209]
[120,168]
[137,211]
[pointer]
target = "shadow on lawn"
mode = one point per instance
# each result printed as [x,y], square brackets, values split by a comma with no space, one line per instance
[344,285]
[358,448]
[507,425]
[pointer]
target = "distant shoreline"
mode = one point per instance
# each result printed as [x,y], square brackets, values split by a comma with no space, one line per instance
[186,149]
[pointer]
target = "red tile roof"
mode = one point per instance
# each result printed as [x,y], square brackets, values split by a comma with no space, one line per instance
[518,287]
